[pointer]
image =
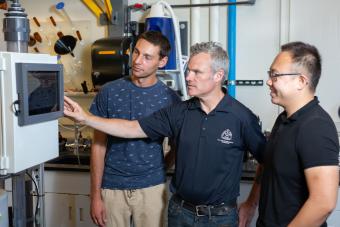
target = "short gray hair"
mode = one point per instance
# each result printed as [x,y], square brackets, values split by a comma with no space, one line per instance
[219,56]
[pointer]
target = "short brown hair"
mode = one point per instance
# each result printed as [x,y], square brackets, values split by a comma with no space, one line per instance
[157,39]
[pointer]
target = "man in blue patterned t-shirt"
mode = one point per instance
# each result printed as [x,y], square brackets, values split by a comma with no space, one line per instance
[128,175]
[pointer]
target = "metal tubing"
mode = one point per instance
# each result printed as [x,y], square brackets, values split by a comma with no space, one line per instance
[232,49]
[195,25]
[19,201]
[214,21]
[16,28]
[230,3]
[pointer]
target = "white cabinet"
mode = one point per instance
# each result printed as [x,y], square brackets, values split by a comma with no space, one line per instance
[67,201]
[82,211]
[59,210]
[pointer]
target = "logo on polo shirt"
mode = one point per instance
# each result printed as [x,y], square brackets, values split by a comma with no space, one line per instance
[226,137]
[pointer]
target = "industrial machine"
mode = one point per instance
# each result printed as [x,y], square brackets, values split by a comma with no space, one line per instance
[31,101]
[31,88]
[110,59]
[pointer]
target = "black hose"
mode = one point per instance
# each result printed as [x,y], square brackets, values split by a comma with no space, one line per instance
[38,197]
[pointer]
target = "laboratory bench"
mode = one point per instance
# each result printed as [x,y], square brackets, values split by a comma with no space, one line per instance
[67,161]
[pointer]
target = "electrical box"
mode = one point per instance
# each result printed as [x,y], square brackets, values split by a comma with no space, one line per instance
[31,101]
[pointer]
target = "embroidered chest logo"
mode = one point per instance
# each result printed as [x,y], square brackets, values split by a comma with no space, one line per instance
[226,137]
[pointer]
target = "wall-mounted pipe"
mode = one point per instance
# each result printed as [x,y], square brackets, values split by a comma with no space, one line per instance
[230,3]
[16,28]
[214,21]
[195,24]
[232,49]
[145,6]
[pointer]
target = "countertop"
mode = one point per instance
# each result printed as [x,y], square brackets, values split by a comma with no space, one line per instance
[70,162]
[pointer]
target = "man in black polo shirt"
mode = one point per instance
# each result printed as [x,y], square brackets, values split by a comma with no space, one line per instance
[211,130]
[300,180]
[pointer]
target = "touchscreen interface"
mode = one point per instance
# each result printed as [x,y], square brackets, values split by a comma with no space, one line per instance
[43,91]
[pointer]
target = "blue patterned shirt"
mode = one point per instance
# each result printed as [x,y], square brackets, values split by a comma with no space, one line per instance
[132,163]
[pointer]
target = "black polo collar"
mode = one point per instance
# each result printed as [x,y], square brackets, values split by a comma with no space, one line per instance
[299,113]
[222,106]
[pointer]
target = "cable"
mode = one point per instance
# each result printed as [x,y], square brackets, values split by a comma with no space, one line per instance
[38,197]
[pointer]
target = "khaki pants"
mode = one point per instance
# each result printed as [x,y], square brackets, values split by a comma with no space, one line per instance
[146,206]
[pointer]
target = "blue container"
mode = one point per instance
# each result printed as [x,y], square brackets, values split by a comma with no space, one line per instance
[166,27]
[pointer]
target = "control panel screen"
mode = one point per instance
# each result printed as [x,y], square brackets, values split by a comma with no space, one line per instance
[43,91]
[40,88]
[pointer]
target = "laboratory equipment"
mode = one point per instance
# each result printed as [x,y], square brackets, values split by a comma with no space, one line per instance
[65,44]
[31,97]
[110,59]
[31,87]
[163,19]
[40,92]
[60,7]
[157,20]
[42,31]
[16,28]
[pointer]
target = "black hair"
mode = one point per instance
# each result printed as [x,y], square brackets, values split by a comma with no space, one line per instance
[306,56]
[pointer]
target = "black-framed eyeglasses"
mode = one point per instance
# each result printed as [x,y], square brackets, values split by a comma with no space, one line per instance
[272,74]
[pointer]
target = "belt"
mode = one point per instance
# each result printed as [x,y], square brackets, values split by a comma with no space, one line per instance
[206,210]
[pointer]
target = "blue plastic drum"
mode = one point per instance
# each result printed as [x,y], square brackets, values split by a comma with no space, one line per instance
[166,27]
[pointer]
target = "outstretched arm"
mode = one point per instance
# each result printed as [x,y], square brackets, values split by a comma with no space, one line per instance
[115,127]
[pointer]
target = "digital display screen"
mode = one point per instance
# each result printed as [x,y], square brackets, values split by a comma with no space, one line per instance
[43,92]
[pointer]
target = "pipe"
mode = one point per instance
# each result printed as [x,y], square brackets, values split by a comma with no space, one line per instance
[230,3]
[195,24]
[284,21]
[16,29]
[214,22]
[232,49]
[250,2]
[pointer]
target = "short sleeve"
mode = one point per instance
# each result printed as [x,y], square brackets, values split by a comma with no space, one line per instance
[99,105]
[254,139]
[317,143]
[157,125]
[166,122]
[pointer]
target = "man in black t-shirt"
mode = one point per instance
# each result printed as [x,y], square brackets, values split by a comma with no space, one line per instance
[300,179]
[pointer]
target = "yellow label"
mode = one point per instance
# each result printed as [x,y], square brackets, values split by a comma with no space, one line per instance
[107,52]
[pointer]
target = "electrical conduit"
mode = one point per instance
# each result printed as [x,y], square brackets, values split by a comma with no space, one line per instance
[214,22]
[232,49]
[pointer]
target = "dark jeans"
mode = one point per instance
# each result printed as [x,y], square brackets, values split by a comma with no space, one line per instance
[181,217]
